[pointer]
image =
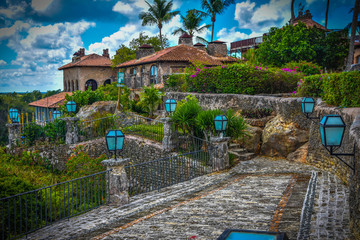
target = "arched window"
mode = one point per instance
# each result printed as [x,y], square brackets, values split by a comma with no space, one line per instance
[133,71]
[68,88]
[92,84]
[153,74]
[72,86]
[77,85]
[107,81]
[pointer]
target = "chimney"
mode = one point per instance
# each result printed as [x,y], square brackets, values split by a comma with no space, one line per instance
[144,50]
[77,55]
[106,53]
[82,52]
[217,49]
[186,39]
[200,46]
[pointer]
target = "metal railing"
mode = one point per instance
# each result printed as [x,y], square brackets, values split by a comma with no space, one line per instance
[26,212]
[160,173]
[144,127]
[189,143]
[129,123]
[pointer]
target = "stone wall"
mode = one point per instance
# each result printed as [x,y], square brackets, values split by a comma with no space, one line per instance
[289,121]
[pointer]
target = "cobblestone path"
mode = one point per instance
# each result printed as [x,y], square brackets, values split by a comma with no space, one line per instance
[262,194]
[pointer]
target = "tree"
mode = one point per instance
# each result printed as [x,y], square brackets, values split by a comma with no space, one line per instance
[299,43]
[150,98]
[158,13]
[153,41]
[214,7]
[352,37]
[123,54]
[191,23]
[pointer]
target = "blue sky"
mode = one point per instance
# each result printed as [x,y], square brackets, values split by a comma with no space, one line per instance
[38,36]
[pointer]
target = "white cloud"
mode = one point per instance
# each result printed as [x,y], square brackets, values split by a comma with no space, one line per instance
[13,11]
[261,18]
[123,8]
[231,35]
[2,62]
[41,52]
[40,5]
[18,26]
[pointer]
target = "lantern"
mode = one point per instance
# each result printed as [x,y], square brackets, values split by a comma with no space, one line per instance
[115,141]
[71,106]
[56,114]
[220,122]
[332,128]
[14,115]
[170,105]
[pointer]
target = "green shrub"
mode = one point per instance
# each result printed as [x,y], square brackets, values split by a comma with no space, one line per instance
[176,82]
[81,164]
[339,89]
[31,133]
[236,126]
[242,79]
[307,68]
[11,184]
[55,130]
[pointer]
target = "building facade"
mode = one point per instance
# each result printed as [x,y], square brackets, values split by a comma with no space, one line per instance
[88,71]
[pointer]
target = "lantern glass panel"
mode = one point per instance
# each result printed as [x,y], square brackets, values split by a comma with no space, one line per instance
[334,135]
[56,114]
[110,140]
[71,106]
[307,105]
[170,105]
[115,140]
[332,129]
[13,114]
[220,123]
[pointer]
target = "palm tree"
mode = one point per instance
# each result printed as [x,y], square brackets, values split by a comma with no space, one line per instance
[292,12]
[213,7]
[327,13]
[191,23]
[158,13]
[353,33]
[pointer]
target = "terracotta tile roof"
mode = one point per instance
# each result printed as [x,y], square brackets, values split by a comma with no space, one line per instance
[199,44]
[311,23]
[217,41]
[53,101]
[179,53]
[91,60]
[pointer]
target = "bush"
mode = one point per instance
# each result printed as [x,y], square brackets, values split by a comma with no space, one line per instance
[339,89]
[80,164]
[176,82]
[307,68]
[242,79]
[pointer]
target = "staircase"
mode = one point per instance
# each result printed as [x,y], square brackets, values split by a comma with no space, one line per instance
[240,153]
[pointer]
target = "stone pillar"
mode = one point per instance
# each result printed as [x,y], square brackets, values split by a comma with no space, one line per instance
[170,138]
[72,130]
[219,155]
[118,181]
[14,134]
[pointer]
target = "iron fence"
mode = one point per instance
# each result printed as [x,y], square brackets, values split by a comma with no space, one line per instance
[160,173]
[27,212]
[189,143]
[96,128]
[145,127]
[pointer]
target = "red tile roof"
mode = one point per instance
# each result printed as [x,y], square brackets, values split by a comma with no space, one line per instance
[91,60]
[53,101]
[199,44]
[311,23]
[179,53]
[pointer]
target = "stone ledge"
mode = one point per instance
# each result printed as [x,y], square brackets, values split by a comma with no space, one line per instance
[355,130]
[114,163]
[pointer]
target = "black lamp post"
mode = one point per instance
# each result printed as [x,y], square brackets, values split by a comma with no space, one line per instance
[332,128]
[56,114]
[115,141]
[307,106]
[14,115]
[71,106]
[220,123]
[170,105]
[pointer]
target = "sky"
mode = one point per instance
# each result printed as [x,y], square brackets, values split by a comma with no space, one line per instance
[39,36]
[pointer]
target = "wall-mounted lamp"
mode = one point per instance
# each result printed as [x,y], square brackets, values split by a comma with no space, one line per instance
[332,128]
[307,106]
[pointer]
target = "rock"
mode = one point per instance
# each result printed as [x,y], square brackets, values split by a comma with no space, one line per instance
[87,112]
[299,155]
[281,138]
[252,143]
[261,122]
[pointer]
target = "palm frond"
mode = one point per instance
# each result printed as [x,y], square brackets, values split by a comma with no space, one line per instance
[177,31]
[201,40]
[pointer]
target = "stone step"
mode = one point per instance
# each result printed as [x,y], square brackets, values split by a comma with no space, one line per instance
[232,145]
[238,150]
[243,156]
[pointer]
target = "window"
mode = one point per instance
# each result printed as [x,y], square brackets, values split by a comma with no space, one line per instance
[153,75]
[92,84]
[77,85]
[133,71]
[107,81]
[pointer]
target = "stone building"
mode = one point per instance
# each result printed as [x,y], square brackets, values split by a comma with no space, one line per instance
[88,71]
[152,67]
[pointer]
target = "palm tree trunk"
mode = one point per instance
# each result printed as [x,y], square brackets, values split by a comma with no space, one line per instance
[212,28]
[292,12]
[353,33]
[327,13]
[161,41]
